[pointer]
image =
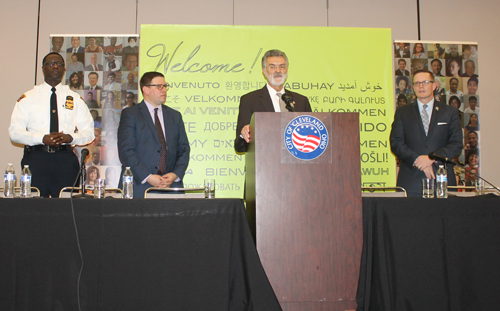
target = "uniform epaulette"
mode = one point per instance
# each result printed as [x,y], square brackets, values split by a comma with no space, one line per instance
[22,96]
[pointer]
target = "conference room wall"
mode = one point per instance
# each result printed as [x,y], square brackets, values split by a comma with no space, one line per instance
[18,20]
[444,20]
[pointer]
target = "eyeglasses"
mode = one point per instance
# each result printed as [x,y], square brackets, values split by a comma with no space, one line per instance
[160,86]
[274,67]
[52,63]
[425,83]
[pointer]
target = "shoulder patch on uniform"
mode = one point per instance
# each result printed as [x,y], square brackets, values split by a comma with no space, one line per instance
[22,96]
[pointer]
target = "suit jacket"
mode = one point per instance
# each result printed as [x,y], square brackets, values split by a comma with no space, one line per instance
[401,73]
[408,142]
[260,101]
[467,76]
[80,50]
[406,53]
[139,146]
[90,68]
[97,87]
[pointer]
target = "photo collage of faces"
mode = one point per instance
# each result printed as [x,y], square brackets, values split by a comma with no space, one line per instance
[456,74]
[104,71]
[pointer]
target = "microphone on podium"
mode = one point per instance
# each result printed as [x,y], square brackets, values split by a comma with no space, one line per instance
[434,156]
[288,99]
[85,153]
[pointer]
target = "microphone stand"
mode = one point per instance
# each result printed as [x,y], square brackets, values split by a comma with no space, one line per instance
[82,173]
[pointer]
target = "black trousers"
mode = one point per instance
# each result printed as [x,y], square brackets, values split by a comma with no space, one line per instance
[51,171]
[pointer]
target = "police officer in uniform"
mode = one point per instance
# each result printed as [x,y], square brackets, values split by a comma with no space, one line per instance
[48,120]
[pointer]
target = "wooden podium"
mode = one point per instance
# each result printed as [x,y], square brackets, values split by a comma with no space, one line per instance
[306,214]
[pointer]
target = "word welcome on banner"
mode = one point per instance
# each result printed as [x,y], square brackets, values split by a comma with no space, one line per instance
[211,67]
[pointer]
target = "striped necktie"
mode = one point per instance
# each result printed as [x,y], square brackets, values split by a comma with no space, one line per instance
[425,119]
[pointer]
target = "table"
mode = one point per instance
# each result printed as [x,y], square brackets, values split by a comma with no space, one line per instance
[138,254]
[430,254]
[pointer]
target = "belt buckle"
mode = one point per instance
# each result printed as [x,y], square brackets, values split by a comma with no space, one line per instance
[50,149]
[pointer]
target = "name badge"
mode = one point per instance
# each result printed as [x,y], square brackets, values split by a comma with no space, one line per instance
[69,103]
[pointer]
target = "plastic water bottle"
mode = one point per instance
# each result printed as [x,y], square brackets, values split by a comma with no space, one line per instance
[26,182]
[9,185]
[128,183]
[442,183]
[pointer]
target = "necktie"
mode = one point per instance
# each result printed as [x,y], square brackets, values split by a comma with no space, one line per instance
[54,122]
[425,119]
[74,50]
[162,167]
[95,68]
[282,103]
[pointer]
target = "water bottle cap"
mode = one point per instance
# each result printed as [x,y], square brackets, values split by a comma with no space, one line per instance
[127,168]
[9,163]
[26,166]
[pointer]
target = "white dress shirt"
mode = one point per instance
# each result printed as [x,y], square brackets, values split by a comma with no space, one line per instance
[275,98]
[30,120]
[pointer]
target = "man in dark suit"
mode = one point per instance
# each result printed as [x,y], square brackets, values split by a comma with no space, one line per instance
[275,69]
[402,69]
[152,140]
[93,80]
[421,128]
[437,66]
[75,46]
[401,50]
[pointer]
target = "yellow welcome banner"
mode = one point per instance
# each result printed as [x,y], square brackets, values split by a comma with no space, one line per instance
[211,67]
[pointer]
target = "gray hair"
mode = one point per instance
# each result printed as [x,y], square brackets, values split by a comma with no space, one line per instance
[273,53]
[470,61]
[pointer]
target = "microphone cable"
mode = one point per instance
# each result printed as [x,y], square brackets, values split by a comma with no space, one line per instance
[77,240]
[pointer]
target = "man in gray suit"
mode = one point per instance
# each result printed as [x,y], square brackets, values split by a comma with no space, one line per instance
[152,139]
[421,128]
[93,66]
[267,99]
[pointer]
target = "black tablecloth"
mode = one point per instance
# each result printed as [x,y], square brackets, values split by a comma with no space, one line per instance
[430,254]
[138,255]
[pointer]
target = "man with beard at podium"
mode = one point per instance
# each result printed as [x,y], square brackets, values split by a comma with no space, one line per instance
[267,99]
